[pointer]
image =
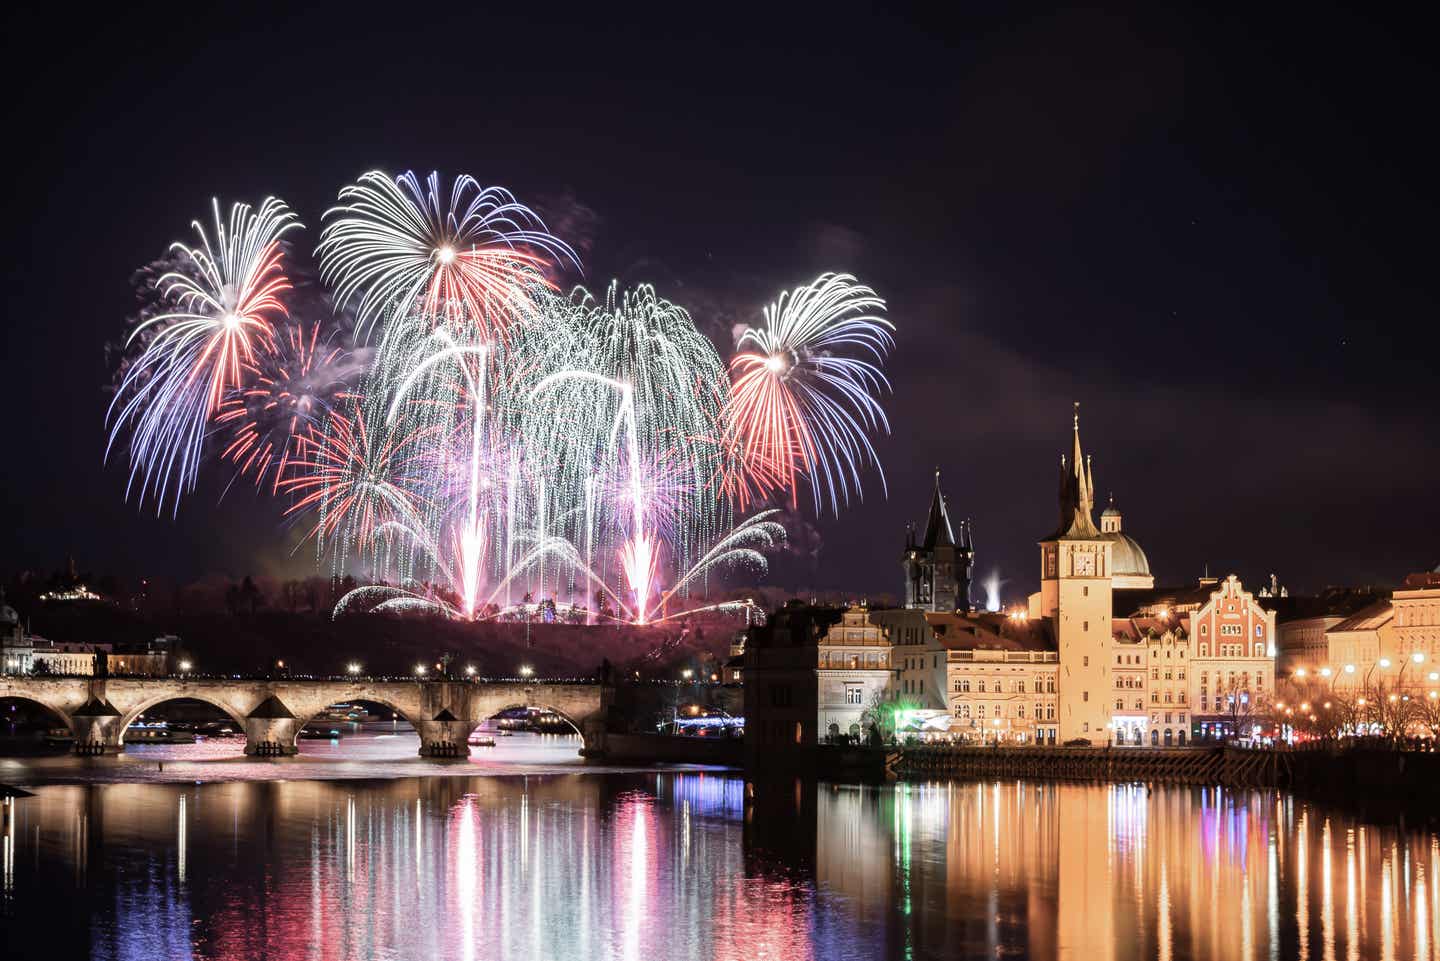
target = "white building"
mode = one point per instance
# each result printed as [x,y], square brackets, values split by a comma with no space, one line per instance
[852,672]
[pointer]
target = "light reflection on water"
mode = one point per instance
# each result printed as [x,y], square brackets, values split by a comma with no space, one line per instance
[660,865]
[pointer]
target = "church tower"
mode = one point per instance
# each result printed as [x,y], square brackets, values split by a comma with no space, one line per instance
[1076,593]
[937,566]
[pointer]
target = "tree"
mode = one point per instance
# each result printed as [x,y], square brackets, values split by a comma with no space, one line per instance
[878,717]
[603,606]
[250,597]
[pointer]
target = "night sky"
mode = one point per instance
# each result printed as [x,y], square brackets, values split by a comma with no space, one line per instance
[1217,234]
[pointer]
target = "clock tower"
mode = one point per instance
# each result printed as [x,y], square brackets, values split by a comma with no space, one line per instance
[1076,593]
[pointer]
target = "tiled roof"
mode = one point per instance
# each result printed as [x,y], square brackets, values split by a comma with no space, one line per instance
[991,632]
[1368,618]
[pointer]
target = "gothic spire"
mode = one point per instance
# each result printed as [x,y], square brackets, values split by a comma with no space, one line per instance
[937,526]
[1077,488]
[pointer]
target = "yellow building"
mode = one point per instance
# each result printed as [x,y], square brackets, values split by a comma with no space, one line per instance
[1152,693]
[1076,593]
[1391,643]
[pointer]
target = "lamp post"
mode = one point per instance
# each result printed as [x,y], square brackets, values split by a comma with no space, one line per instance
[1416,658]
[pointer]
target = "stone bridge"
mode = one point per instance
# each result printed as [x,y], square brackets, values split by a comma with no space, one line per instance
[272,712]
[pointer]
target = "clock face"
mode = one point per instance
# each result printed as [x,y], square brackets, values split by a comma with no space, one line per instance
[1084,565]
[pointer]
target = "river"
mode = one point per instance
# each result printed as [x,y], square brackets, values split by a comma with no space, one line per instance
[528,853]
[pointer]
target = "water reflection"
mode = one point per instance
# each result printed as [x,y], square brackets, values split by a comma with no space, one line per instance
[661,865]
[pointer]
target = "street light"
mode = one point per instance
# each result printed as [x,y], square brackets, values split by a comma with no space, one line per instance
[526,670]
[687,673]
[352,668]
[184,666]
[419,670]
[470,669]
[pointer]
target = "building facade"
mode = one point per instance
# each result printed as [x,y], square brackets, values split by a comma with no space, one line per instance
[1302,644]
[68,658]
[1233,668]
[852,672]
[16,648]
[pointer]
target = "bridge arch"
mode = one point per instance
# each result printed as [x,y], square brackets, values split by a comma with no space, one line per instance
[129,716]
[304,717]
[485,712]
[56,712]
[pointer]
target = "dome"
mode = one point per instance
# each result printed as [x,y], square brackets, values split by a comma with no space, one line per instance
[1111,511]
[8,617]
[1126,557]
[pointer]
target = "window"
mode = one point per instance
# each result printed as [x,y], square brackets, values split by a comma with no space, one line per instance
[981,688]
[1085,696]
[1085,625]
[980,712]
[1085,592]
[1020,687]
[1020,711]
[1087,659]
[964,685]
[853,694]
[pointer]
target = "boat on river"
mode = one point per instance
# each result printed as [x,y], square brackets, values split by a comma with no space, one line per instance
[160,733]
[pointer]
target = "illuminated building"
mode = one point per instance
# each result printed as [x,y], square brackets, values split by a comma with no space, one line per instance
[67,657]
[16,649]
[978,677]
[1075,593]
[1232,674]
[1150,655]
[1303,644]
[852,672]
[1394,641]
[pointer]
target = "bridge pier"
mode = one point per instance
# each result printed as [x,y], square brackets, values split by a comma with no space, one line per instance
[271,729]
[445,737]
[592,733]
[97,729]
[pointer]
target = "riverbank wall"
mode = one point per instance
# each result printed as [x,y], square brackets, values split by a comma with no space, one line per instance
[1354,773]
[667,749]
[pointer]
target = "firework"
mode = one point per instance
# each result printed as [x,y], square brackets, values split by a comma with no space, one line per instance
[800,407]
[222,305]
[498,438]
[359,477]
[398,248]
[288,395]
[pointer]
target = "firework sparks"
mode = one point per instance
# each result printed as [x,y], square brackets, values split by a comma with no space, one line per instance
[799,406]
[289,393]
[398,247]
[358,479]
[224,303]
